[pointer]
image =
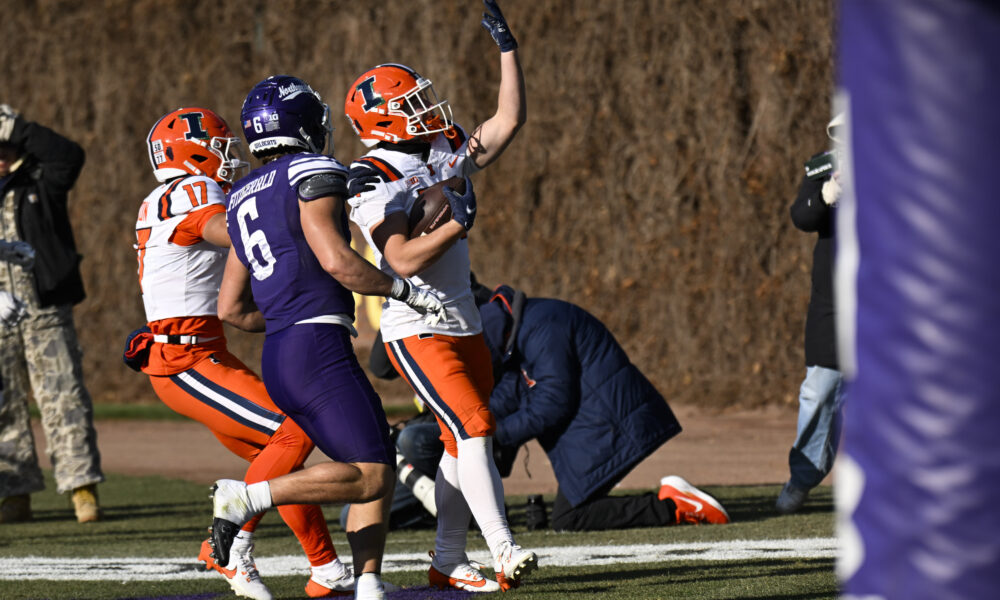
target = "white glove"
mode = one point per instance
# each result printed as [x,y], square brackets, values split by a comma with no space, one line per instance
[419,300]
[831,191]
[11,310]
[7,117]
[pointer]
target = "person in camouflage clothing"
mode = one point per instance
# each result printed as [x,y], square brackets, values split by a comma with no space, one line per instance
[39,269]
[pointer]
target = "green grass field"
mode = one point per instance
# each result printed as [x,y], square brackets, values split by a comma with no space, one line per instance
[158,518]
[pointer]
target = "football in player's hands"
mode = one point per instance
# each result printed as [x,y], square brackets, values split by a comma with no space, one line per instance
[432,209]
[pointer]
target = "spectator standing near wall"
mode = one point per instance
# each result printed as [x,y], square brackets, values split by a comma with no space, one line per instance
[822,393]
[38,167]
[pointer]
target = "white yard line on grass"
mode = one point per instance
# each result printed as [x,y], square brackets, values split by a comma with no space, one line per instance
[163,569]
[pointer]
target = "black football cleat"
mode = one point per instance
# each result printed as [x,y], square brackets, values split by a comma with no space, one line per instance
[223,534]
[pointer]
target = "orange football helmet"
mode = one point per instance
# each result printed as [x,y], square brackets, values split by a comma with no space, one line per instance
[195,141]
[392,103]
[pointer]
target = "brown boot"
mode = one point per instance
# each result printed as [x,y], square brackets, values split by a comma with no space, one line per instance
[85,504]
[15,509]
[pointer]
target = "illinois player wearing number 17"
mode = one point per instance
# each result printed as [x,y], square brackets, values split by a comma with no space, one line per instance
[448,365]
[182,238]
[291,250]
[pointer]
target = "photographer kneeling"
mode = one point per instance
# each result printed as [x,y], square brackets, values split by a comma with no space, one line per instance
[563,379]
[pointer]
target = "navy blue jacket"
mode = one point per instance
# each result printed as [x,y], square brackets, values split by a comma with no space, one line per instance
[563,379]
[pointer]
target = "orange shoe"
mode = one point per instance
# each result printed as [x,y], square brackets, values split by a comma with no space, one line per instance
[205,555]
[244,578]
[693,505]
[461,575]
[325,587]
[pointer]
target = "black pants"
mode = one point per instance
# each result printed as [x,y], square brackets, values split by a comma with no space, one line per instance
[612,512]
[419,443]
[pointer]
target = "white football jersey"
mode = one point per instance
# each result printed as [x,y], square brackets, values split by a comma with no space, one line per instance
[403,176]
[179,273]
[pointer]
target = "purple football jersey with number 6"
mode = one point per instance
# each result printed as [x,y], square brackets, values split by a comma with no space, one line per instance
[262,215]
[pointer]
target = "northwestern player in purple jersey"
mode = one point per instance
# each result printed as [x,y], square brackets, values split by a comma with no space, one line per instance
[918,295]
[291,249]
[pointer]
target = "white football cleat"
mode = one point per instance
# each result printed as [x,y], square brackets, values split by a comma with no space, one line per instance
[230,509]
[513,564]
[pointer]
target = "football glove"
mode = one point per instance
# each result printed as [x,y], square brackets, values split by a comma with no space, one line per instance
[420,300]
[12,310]
[7,117]
[17,253]
[494,22]
[463,206]
[360,181]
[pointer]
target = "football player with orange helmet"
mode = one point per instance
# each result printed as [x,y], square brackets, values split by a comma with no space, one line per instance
[182,247]
[415,143]
[195,141]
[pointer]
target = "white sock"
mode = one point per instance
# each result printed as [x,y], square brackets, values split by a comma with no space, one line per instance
[242,541]
[331,570]
[452,515]
[480,483]
[367,583]
[260,496]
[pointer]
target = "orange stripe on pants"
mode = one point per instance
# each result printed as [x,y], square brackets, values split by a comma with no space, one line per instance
[270,456]
[453,376]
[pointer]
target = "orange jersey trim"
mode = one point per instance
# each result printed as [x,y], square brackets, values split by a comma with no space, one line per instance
[190,231]
[164,207]
[456,137]
[391,173]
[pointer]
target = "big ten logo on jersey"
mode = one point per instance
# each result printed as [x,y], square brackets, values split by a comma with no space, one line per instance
[368,309]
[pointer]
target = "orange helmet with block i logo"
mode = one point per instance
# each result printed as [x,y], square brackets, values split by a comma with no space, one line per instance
[195,141]
[393,103]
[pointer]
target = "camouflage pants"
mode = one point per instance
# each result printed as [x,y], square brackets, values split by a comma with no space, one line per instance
[42,352]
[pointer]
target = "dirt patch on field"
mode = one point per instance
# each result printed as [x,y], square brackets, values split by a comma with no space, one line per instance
[731,447]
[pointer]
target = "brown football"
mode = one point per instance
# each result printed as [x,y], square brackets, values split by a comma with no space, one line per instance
[431,209]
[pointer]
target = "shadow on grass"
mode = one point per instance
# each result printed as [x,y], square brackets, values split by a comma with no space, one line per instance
[749,503]
[697,574]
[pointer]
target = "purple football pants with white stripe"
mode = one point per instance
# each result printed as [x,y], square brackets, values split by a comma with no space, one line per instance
[918,483]
[312,374]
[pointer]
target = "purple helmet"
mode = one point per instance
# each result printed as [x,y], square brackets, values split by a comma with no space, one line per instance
[283,112]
